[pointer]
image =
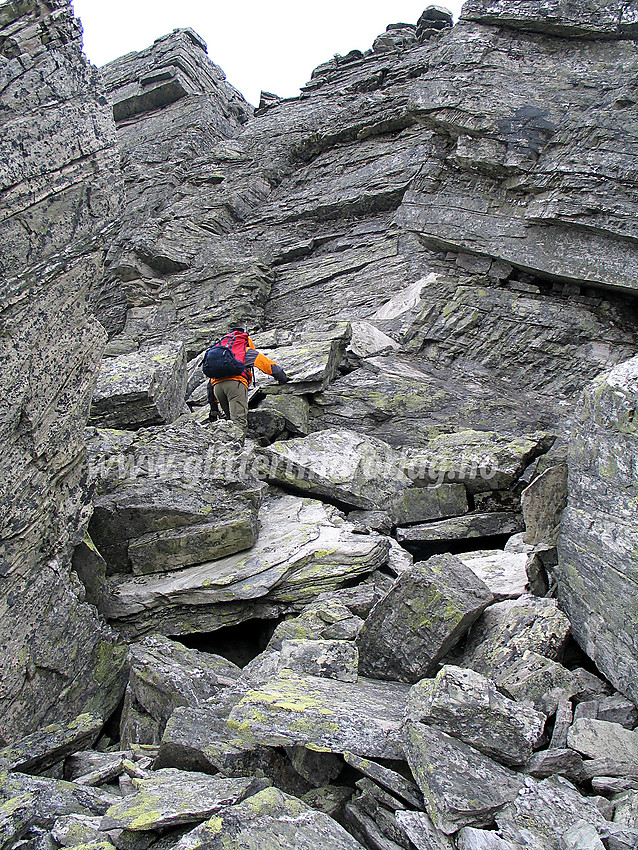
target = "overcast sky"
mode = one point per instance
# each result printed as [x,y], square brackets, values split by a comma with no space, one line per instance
[260,45]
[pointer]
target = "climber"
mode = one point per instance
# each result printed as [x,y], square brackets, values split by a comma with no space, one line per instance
[228,384]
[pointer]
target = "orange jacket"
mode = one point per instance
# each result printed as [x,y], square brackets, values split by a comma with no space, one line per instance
[253,358]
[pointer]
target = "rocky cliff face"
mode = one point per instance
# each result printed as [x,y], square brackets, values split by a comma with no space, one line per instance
[436,240]
[60,190]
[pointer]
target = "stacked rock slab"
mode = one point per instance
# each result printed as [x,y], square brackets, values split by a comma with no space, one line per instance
[598,548]
[60,188]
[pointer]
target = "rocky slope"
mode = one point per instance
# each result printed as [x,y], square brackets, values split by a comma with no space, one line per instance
[392,619]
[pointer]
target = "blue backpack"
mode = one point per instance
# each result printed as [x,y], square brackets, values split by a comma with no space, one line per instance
[222,360]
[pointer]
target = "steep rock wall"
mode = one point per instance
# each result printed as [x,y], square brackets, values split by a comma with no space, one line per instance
[59,189]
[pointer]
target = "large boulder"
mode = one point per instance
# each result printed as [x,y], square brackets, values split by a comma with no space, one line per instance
[598,546]
[142,388]
[429,608]
[170,498]
[468,706]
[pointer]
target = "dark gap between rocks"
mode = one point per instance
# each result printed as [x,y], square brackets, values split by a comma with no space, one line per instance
[423,551]
[239,644]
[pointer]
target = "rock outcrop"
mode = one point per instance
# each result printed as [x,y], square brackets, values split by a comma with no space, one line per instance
[399,612]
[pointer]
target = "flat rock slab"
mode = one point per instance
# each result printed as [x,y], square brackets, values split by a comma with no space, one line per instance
[601,739]
[51,745]
[545,812]
[388,779]
[535,679]
[554,17]
[363,718]
[470,838]
[143,388]
[16,817]
[509,629]
[53,798]
[463,528]
[556,762]
[271,820]
[312,362]
[543,503]
[481,460]
[461,787]
[430,606]
[172,798]
[503,572]
[304,548]
[467,706]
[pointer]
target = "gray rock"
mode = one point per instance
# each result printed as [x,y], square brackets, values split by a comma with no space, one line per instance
[270,820]
[509,629]
[170,498]
[312,361]
[325,620]
[420,830]
[626,811]
[294,410]
[463,528]
[618,709]
[581,836]
[467,706]
[601,739]
[16,817]
[330,800]
[388,779]
[543,504]
[428,609]
[50,746]
[87,761]
[562,724]
[334,659]
[554,18]
[172,797]
[468,791]
[545,812]
[597,556]
[363,718]
[483,461]
[556,762]
[146,387]
[74,830]
[504,573]
[51,799]
[165,675]
[535,679]
[304,548]
[470,838]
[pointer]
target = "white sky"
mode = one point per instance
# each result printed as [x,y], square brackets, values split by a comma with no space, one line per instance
[262,44]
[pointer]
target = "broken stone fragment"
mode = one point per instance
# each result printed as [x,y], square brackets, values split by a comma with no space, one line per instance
[543,503]
[323,714]
[509,629]
[556,762]
[51,799]
[461,787]
[504,573]
[164,675]
[49,746]
[334,659]
[470,838]
[493,524]
[389,779]
[143,388]
[467,706]
[419,829]
[173,797]
[430,606]
[321,620]
[535,679]
[545,812]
